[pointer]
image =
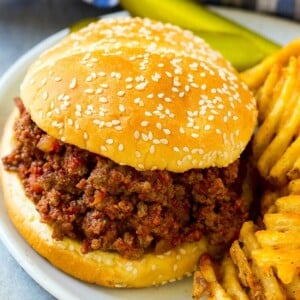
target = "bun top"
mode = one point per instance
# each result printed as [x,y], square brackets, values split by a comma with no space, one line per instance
[142,93]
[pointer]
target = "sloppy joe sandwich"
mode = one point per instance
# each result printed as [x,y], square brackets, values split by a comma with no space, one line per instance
[121,164]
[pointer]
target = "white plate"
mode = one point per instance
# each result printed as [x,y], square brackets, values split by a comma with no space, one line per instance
[55,282]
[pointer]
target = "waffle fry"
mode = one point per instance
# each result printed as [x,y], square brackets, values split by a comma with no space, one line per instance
[264,263]
[239,275]
[280,242]
[276,142]
[256,76]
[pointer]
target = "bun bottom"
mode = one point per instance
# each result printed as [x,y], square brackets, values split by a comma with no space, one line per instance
[102,268]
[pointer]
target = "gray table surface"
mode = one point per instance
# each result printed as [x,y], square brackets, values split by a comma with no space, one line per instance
[24,23]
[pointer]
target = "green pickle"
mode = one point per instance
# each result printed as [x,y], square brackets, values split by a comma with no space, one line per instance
[241,46]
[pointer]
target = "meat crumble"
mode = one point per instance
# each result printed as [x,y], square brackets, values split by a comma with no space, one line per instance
[111,207]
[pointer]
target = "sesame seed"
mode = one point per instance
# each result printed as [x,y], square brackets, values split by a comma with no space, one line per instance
[181,130]
[85,136]
[158,125]
[102,74]
[120,147]
[176,149]
[129,86]
[195,135]
[104,85]
[115,122]
[89,91]
[45,95]
[141,86]
[57,124]
[108,124]
[182,251]
[186,149]
[193,66]
[129,79]
[136,134]
[121,93]
[109,141]
[137,100]
[164,141]
[150,96]
[44,81]
[121,107]
[99,91]
[169,74]
[144,123]
[211,118]
[66,98]
[207,127]
[103,99]
[69,122]
[148,113]
[142,167]
[57,78]
[103,148]
[167,131]
[138,154]
[145,137]
[150,135]
[152,149]
[156,76]
[179,162]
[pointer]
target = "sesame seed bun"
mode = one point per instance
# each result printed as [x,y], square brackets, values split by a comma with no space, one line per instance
[103,268]
[142,93]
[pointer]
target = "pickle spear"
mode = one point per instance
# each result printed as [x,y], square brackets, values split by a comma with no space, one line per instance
[209,25]
[239,50]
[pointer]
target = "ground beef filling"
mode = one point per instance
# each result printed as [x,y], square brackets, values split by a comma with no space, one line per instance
[116,208]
